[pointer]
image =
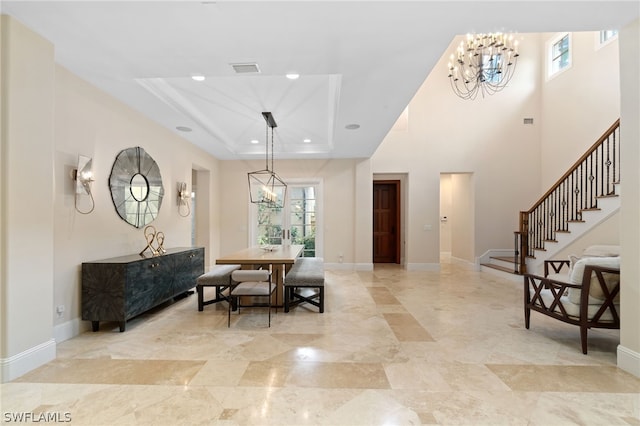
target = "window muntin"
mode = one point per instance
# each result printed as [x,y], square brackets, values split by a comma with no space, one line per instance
[269,225]
[608,35]
[303,218]
[560,54]
[295,223]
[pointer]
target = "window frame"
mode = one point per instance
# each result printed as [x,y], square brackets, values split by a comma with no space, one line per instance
[551,43]
[602,43]
[318,183]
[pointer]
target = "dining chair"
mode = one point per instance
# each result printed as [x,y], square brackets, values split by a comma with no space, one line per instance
[251,284]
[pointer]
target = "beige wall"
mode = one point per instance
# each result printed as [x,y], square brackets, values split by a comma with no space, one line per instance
[605,233]
[580,104]
[345,189]
[629,350]
[91,123]
[55,116]
[26,197]
[485,138]
[513,164]
[446,135]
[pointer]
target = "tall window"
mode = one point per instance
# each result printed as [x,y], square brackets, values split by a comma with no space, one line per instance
[295,223]
[270,225]
[303,218]
[559,54]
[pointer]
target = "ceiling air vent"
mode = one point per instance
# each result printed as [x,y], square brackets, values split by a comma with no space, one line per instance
[245,68]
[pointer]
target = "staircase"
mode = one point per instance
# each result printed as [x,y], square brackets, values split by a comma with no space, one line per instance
[586,195]
[500,262]
[607,206]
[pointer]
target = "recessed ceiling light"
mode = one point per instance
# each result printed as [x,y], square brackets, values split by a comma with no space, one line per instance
[255,141]
[184,128]
[198,77]
[293,76]
[352,126]
[307,140]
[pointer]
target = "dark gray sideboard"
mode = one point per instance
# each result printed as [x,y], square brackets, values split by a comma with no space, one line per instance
[120,288]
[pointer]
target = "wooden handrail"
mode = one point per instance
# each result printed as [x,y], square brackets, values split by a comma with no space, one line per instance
[591,177]
[572,169]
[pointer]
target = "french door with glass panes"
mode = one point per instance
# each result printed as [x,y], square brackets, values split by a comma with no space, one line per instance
[295,223]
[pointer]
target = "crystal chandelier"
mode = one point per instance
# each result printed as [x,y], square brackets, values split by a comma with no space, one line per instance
[482,63]
[265,186]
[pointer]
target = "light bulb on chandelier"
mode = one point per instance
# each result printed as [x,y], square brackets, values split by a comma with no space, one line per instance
[265,186]
[483,63]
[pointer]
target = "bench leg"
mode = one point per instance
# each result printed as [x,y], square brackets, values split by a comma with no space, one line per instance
[287,296]
[200,298]
[293,298]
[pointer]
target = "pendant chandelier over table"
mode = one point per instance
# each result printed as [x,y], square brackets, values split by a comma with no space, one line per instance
[482,63]
[265,186]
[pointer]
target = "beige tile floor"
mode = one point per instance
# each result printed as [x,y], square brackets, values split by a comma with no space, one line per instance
[393,347]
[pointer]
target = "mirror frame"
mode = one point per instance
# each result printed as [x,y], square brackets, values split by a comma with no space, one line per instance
[129,164]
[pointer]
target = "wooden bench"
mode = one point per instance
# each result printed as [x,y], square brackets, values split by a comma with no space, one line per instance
[306,272]
[219,277]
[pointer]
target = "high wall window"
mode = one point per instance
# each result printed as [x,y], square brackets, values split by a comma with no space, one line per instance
[559,54]
[608,35]
[605,37]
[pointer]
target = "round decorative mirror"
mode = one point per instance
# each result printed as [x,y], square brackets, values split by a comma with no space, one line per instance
[136,187]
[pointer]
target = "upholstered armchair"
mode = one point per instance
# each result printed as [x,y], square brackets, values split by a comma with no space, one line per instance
[583,291]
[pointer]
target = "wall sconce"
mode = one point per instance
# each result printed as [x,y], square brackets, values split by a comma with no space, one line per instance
[183,199]
[83,177]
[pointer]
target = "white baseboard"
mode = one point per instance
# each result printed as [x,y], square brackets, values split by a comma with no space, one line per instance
[17,365]
[423,267]
[364,266]
[69,329]
[338,266]
[464,263]
[629,360]
[348,266]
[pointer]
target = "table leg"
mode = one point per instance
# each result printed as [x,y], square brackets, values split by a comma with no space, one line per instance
[278,272]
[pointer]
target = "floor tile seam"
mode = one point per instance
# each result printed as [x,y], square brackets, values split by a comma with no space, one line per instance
[59,360]
[552,365]
[311,363]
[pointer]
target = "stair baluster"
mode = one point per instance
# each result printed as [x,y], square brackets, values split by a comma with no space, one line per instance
[577,190]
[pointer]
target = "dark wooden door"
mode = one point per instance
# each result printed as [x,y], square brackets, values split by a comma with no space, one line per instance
[386,221]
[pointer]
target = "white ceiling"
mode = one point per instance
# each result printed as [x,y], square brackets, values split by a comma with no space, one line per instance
[359,62]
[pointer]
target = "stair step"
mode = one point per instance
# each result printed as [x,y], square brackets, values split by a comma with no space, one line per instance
[509,259]
[574,228]
[499,268]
